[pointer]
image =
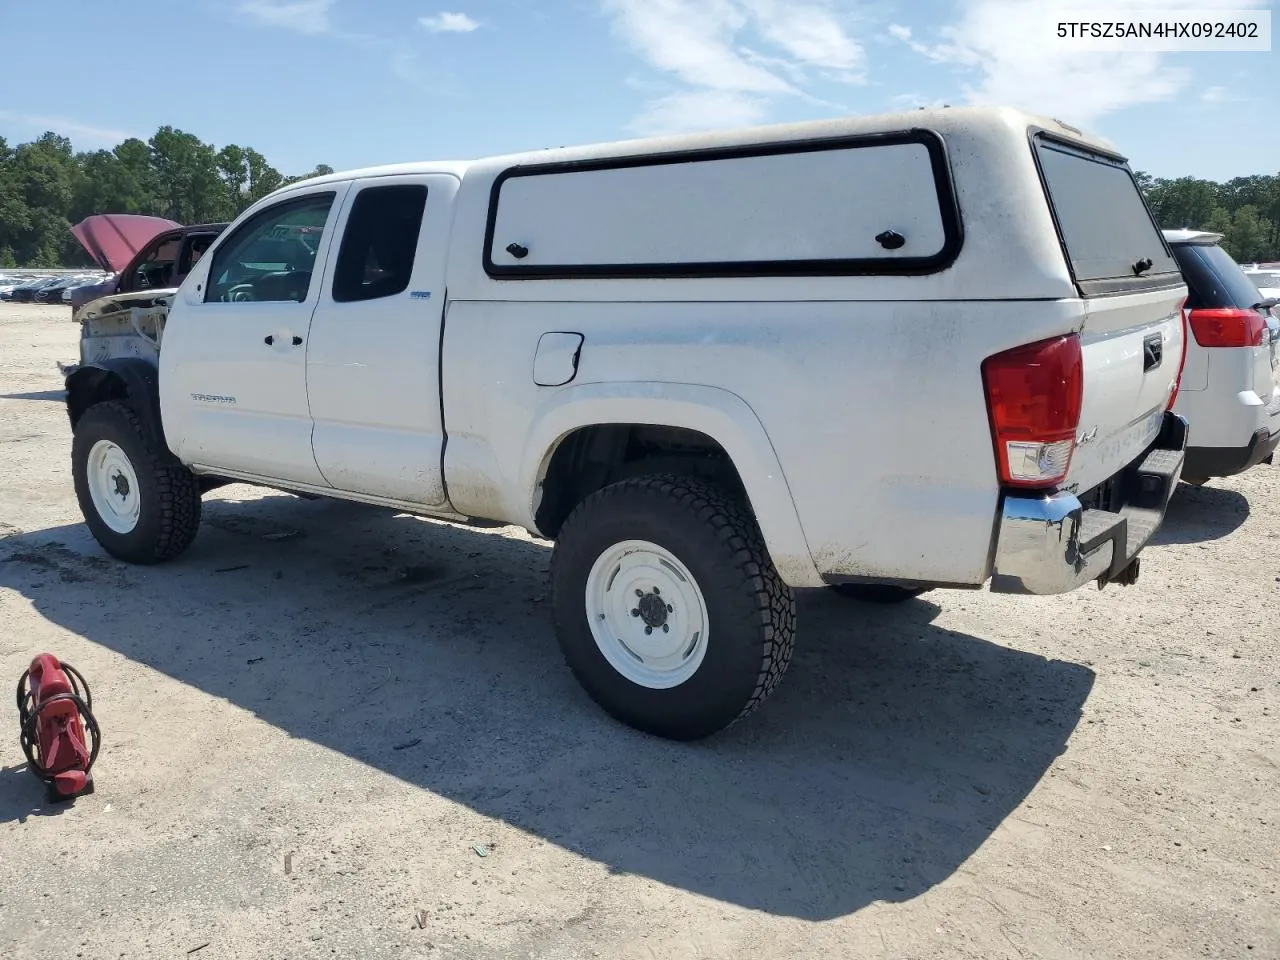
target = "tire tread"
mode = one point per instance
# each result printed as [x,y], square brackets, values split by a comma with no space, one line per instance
[177,489]
[737,530]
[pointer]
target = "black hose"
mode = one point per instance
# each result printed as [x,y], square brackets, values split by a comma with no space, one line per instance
[28,717]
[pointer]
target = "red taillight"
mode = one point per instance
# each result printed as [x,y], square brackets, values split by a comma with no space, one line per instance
[1227,327]
[1182,364]
[1033,398]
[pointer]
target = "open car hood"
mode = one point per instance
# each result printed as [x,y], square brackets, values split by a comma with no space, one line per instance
[113,239]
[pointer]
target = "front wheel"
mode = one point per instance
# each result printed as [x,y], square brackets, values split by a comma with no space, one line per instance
[668,608]
[139,502]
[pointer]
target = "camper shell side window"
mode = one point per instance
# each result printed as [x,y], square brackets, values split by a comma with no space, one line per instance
[870,204]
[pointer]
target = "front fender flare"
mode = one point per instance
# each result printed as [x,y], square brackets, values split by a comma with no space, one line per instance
[131,379]
[721,415]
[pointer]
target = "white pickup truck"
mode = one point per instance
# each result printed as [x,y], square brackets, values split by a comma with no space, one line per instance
[884,354]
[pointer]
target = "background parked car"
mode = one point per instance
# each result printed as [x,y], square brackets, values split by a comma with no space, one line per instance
[82,283]
[54,286]
[1266,277]
[26,293]
[8,284]
[52,292]
[1230,389]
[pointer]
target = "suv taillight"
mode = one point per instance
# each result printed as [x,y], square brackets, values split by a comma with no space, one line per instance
[1182,364]
[1227,326]
[1034,394]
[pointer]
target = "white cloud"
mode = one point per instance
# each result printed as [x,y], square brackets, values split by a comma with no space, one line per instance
[692,39]
[82,135]
[691,110]
[302,16]
[449,23]
[1003,42]
[898,32]
[1222,95]
[809,32]
[702,45]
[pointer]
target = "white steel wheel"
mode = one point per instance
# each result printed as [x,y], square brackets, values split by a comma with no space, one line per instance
[647,614]
[667,546]
[113,486]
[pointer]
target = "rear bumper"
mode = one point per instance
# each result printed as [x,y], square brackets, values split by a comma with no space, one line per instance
[1054,544]
[1204,462]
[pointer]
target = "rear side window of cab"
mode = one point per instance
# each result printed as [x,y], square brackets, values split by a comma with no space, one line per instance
[878,204]
[1111,241]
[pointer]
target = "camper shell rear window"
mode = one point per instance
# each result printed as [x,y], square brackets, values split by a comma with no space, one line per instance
[1107,232]
[879,204]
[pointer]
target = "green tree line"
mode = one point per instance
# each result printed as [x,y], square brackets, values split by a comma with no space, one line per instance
[1246,211]
[45,187]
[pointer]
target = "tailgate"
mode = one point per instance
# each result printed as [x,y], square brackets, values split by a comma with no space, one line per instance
[1132,349]
[1131,303]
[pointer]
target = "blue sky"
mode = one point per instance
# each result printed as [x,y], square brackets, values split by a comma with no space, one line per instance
[356,82]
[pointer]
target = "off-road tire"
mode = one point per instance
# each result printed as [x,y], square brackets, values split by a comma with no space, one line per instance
[751,612]
[881,593]
[169,494]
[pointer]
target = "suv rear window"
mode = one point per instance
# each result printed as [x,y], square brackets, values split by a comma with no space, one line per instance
[1213,278]
[1104,224]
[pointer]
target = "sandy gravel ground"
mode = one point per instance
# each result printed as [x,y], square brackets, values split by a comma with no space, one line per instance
[317,717]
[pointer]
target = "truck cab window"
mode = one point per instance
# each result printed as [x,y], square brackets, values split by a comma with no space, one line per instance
[272,256]
[194,249]
[155,272]
[378,246]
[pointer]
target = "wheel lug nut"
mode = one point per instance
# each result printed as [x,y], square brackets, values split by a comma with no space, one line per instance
[639,592]
[666,628]
[635,613]
[648,630]
[657,592]
[670,608]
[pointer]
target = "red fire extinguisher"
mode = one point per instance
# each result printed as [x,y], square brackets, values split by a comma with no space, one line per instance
[59,733]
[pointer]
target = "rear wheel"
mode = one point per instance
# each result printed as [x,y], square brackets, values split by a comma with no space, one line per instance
[667,606]
[139,502]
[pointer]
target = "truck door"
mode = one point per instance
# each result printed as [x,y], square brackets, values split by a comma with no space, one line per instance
[233,361]
[373,362]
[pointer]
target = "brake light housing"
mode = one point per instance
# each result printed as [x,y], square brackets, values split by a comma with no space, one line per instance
[1034,395]
[1227,326]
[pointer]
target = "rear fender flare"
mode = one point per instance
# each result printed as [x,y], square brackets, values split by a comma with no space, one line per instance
[723,416]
